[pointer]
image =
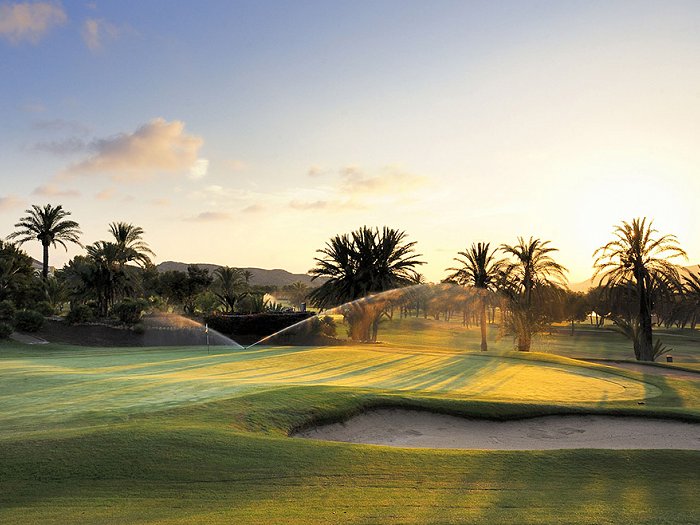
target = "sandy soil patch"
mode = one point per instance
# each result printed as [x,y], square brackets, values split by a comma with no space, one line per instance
[419,429]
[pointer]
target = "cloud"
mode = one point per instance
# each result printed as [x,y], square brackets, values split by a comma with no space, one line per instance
[49,190]
[317,171]
[254,208]
[353,189]
[10,202]
[199,169]
[61,147]
[58,124]
[106,194]
[390,181]
[157,147]
[29,21]
[310,205]
[161,202]
[211,216]
[95,31]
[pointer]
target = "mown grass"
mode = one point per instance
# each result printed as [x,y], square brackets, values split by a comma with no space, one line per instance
[176,436]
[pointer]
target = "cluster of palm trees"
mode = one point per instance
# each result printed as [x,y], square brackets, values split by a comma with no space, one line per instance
[635,274]
[524,279]
[527,278]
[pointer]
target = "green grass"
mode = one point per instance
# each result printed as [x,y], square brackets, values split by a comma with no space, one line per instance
[177,436]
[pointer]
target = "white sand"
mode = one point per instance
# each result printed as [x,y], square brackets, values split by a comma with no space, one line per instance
[419,429]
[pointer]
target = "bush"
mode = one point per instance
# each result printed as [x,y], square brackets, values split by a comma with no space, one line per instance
[29,321]
[44,308]
[80,313]
[139,328]
[5,330]
[7,312]
[130,311]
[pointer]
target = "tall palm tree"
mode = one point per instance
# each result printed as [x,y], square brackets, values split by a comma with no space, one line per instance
[129,239]
[364,262]
[50,227]
[481,271]
[637,256]
[528,279]
[230,286]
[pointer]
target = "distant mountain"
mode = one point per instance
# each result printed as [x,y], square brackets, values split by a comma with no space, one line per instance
[260,276]
[585,285]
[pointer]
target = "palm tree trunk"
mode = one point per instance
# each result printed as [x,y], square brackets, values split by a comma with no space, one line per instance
[484,345]
[645,334]
[45,262]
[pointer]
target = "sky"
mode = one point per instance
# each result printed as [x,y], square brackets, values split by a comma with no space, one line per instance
[248,133]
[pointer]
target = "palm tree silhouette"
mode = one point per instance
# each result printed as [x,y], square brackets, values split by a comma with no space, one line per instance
[49,226]
[638,258]
[481,271]
[129,239]
[363,262]
[528,278]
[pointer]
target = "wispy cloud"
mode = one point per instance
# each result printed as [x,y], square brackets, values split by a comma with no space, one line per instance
[50,190]
[199,169]
[95,31]
[210,216]
[61,147]
[354,189]
[161,203]
[391,180]
[58,124]
[254,208]
[106,194]
[29,21]
[158,147]
[10,202]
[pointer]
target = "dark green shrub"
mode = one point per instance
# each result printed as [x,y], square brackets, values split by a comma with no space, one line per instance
[80,313]
[29,321]
[7,312]
[139,328]
[130,311]
[44,308]
[5,330]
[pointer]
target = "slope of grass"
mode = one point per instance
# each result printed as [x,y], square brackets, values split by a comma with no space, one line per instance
[176,436]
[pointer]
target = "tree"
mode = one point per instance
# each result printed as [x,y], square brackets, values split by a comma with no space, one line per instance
[638,257]
[529,279]
[129,239]
[16,271]
[358,264]
[691,292]
[182,287]
[481,271]
[297,293]
[108,278]
[230,286]
[50,227]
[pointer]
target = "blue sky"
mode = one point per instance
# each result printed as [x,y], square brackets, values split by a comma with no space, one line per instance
[248,133]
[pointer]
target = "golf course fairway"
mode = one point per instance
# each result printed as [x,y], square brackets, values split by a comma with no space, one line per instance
[173,435]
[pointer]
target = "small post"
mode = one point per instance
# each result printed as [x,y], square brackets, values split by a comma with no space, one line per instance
[206,331]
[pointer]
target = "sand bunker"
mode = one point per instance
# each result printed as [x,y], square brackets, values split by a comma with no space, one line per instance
[419,429]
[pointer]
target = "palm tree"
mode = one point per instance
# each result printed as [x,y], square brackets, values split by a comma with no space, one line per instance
[129,239]
[639,258]
[48,225]
[230,286]
[691,292]
[481,271]
[528,279]
[364,262]
[108,278]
